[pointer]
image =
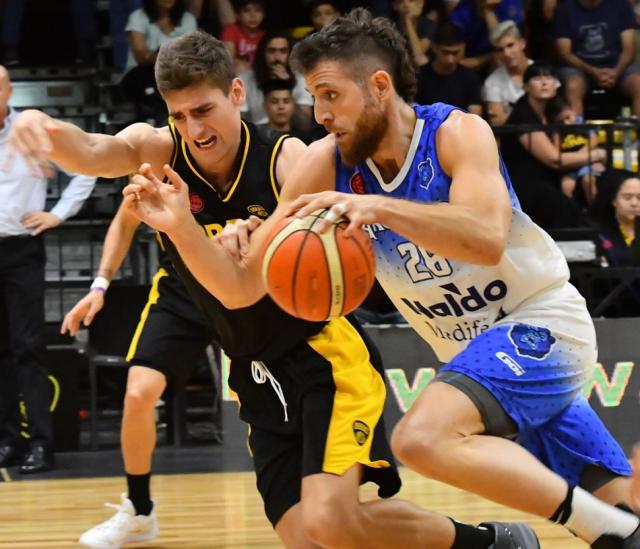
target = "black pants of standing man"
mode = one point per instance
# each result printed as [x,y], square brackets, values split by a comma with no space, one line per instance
[23,366]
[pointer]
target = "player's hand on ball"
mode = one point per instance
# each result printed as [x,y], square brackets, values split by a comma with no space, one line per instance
[358,210]
[234,238]
[161,206]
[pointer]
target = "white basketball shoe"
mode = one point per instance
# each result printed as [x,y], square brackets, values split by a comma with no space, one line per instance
[122,528]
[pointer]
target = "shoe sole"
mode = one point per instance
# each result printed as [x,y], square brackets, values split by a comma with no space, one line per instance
[132,539]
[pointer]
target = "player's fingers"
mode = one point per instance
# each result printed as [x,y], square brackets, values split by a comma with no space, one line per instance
[144,184]
[299,204]
[254,222]
[243,239]
[230,242]
[91,313]
[39,227]
[177,181]
[145,169]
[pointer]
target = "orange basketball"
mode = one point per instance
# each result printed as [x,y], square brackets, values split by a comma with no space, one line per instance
[317,276]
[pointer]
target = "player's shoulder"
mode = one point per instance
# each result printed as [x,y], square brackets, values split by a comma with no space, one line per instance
[462,128]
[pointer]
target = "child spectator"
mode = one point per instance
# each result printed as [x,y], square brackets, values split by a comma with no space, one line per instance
[242,37]
[148,28]
[559,111]
[416,28]
[323,13]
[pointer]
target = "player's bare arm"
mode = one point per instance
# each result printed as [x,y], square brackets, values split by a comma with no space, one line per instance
[40,139]
[117,243]
[472,227]
[235,282]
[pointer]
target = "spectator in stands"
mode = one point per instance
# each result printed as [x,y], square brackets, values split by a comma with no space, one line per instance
[503,87]
[534,162]
[23,360]
[119,12]
[559,111]
[83,16]
[212,15]
[416,28]
[616,213]
[149,27]
[323,13]
[476,19]
[272,61]
[445,78]
[596,42]
[242,37]
[279,104]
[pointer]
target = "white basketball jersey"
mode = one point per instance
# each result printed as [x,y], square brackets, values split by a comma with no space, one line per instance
[450,302]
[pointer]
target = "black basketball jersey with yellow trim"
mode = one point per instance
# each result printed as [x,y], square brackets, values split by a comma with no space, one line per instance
[262,331]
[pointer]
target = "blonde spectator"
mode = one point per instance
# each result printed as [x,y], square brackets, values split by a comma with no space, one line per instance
[503,87]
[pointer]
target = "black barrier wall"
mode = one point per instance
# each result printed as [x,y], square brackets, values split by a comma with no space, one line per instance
[614,390]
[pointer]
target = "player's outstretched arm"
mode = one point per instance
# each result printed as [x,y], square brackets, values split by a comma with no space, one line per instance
[235,281]
[473,226]
[116,245]
[39,138]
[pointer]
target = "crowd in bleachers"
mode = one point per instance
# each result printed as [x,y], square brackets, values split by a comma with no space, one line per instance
[536,70]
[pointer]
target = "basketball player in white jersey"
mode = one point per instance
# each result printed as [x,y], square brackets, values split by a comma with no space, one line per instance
[485,286]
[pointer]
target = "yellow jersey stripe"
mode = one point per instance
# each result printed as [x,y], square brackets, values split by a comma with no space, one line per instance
[358,401]
[154,294]
[272,166]
[242,162]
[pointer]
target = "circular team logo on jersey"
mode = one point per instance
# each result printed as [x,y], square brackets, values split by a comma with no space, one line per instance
[357,183]
[256,209]
[196,202]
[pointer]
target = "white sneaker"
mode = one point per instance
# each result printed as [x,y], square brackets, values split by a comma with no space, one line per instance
[123,527]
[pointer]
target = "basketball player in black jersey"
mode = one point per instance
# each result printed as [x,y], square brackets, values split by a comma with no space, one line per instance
[313,393]
[170,338]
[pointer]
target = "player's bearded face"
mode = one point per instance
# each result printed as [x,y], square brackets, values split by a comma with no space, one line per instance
[369,129]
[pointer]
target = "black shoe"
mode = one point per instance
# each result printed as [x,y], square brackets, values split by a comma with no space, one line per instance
[614,542]
[512,535]
[37,460]
[9,455]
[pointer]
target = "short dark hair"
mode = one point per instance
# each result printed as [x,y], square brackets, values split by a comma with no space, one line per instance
[555,106]
[260,69]
[447,34]
[241,4]
[354,36]
[537,69]
[609,184]
[317,3]
[191,59]
[278,84]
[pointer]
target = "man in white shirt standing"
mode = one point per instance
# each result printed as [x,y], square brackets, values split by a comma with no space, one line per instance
[503,87]
[23,368]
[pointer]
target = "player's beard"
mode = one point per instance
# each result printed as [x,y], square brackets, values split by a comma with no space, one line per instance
[369,130]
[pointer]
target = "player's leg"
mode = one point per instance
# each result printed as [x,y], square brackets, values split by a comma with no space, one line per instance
[169,339]
[456,430]
[635,480]
[345,445]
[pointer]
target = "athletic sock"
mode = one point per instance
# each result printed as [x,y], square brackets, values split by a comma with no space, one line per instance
[590,518]
[471,537]
[138,486]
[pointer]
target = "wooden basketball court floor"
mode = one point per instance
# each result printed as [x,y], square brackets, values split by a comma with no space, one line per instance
[206,511]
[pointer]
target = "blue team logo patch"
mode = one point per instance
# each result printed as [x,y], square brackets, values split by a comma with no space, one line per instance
[531,341]
[425,173]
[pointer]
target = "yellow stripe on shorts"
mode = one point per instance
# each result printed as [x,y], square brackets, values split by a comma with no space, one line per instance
[154,294]
[358,401]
